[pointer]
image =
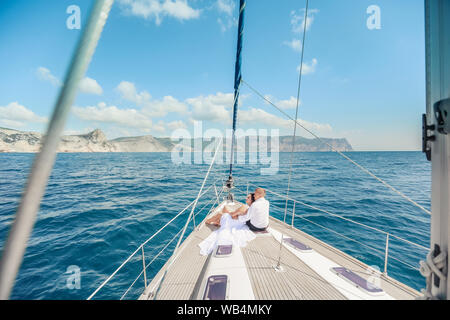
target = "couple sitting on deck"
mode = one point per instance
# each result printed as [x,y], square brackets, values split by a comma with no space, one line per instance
[236,227]
[255,214]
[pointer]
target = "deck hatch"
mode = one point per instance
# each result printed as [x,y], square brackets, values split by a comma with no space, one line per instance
[224,250]
[216,288]
[356,280]
[297,245]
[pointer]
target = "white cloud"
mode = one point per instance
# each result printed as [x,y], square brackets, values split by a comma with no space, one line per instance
[308,68]
[91,86]
[112,115]
[226,9]
[259,116]
[158,9]
[290,103]
[129,92]
[226,6]
[168,104]
[124,121]
[45,75]
[226,23]
[295,44]
[320,129]
[16,115]
[298,26]
[160,127]
[176,125]
[150,107]
[12,124]
[213,107]
[218,108]
[87,85]
[298,20]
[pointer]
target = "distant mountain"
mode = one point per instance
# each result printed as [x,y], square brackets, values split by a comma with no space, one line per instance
[19,141]
[96,141]
[304,144]
[141,144]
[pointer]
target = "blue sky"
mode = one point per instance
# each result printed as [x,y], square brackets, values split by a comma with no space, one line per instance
[163,64]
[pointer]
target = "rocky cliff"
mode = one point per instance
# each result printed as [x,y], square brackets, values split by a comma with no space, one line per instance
[19,141]
[304,144]
[96,141]
[141,144]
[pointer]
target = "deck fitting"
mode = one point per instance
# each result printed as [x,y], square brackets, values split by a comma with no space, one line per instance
[279,268]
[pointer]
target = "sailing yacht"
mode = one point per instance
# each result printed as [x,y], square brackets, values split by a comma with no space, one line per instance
[282,262]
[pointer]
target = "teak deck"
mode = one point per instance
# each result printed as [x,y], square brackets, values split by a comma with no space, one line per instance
[297,280]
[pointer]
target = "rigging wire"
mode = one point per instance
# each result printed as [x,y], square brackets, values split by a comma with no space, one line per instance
[337,151]
[296,111]
[305,23]
[175,251]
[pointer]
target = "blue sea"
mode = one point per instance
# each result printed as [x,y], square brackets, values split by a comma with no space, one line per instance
[98,208]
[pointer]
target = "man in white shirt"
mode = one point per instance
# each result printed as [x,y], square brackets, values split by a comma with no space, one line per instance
[257,216]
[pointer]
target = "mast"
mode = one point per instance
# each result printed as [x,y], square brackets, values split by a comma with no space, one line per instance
[237,84]
[436,144]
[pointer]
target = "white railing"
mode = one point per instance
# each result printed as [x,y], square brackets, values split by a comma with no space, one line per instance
[387,234]
[140,249]
[181,233]
[145,267]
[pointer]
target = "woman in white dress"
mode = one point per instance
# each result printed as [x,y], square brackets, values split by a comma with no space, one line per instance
[231,231]
[216,219]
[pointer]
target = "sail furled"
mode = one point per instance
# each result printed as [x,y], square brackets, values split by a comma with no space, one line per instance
[237,84]
[237,71]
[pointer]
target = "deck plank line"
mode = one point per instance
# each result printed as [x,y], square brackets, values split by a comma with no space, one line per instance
[257,276]
[268,273]
[262,268]
[298,281]
[285,263]
[271,279]
[254,277]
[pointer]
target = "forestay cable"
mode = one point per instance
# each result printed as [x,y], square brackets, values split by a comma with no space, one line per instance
[296,110]
[305,23]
